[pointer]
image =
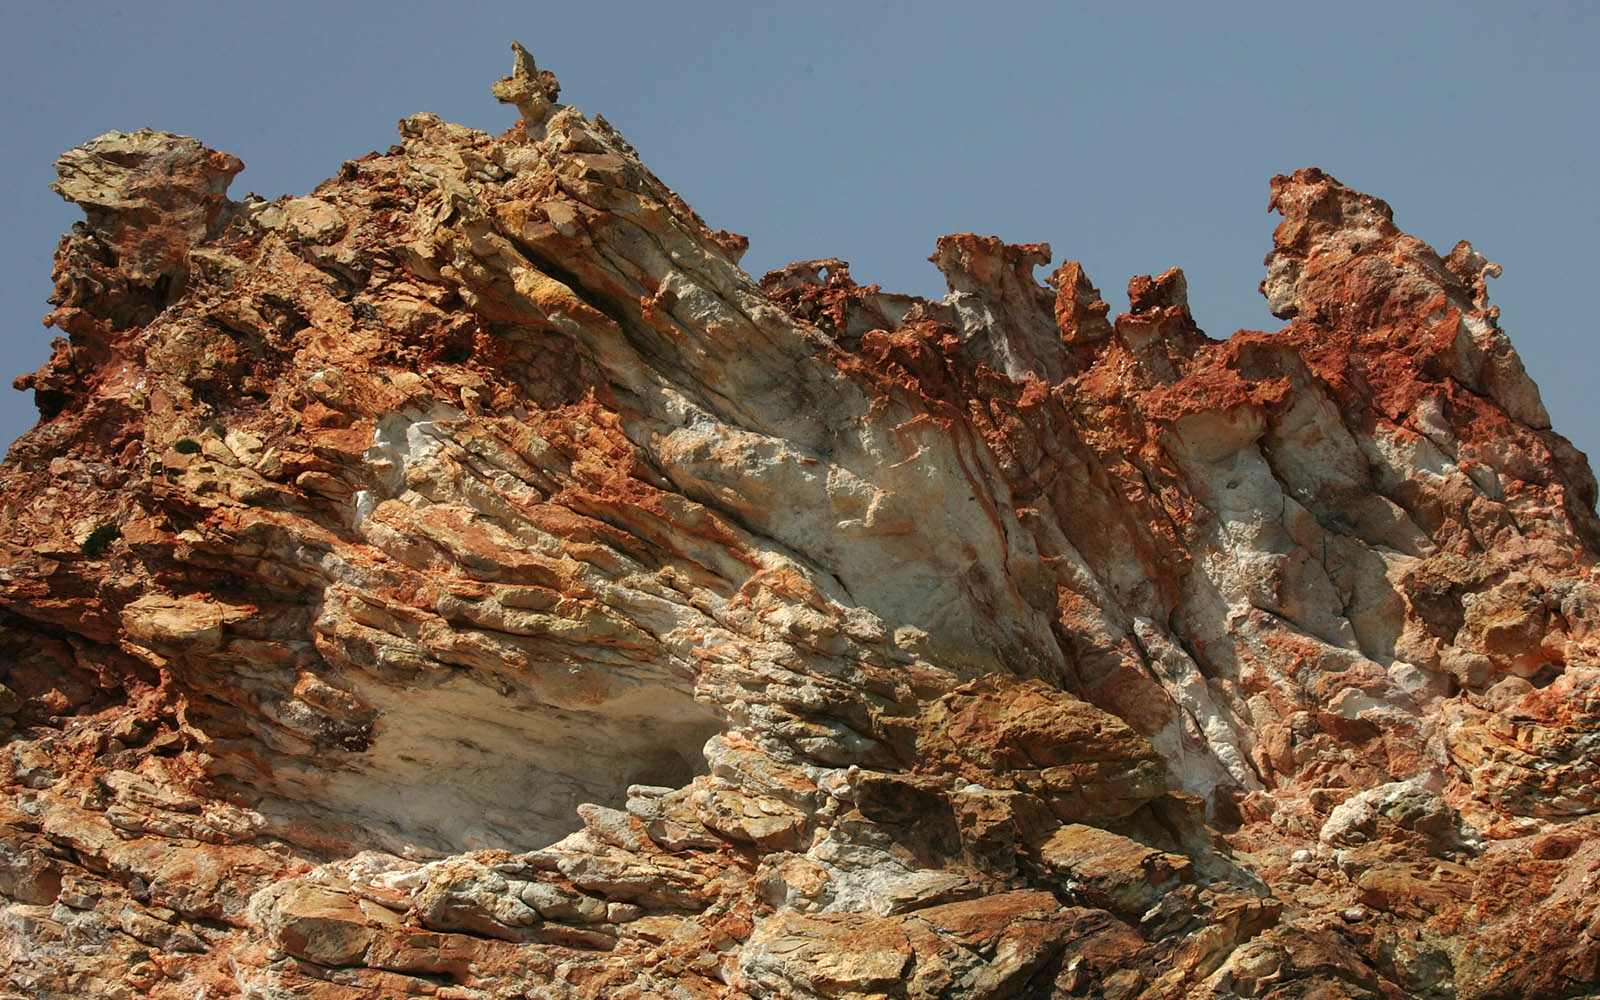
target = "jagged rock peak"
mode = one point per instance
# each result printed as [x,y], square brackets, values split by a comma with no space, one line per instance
[531,89]
[464,580]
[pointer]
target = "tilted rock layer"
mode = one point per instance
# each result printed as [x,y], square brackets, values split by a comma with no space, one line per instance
[465,581]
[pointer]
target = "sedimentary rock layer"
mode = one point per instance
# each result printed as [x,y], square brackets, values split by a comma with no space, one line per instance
[466,581]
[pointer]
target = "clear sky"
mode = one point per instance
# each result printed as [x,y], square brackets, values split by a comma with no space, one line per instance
[1130,136]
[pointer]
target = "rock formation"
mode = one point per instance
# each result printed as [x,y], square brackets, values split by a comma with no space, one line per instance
[464,581]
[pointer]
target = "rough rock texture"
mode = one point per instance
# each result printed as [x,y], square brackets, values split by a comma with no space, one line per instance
[465,581]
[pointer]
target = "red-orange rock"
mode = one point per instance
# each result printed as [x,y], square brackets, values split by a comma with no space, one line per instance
[465,581]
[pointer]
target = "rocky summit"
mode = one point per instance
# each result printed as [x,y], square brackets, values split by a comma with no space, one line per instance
[465,581]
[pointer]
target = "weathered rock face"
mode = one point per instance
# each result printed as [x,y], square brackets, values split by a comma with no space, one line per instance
[465,581]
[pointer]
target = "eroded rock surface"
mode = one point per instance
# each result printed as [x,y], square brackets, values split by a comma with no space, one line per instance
[465,581]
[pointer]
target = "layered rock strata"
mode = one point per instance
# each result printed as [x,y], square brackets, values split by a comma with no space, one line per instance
[465,581]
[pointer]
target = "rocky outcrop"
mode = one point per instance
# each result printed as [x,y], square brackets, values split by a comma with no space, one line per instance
[465,581]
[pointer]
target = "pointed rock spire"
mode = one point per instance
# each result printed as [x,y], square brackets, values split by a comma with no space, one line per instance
[531,89]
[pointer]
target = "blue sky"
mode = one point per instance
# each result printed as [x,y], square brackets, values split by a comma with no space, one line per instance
[1130,136]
